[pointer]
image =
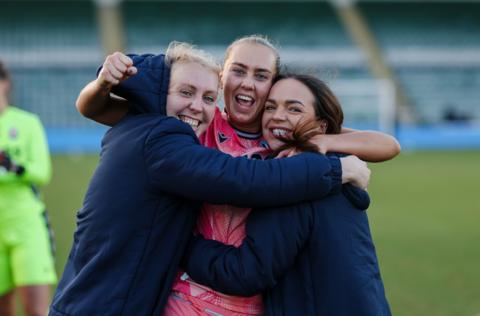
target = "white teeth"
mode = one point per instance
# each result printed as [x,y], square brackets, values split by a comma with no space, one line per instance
[192,122]
[245,98]
[279,132]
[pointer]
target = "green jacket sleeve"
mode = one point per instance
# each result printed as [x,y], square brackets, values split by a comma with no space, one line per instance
[38,167]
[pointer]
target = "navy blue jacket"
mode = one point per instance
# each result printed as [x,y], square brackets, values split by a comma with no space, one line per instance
[314,258]
[139,210]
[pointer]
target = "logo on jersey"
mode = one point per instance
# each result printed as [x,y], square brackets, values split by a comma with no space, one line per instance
[13,133]
[222,138]
[264,144]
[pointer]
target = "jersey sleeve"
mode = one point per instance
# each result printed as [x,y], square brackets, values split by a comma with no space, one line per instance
[177,164]
[274,239]
[38,166]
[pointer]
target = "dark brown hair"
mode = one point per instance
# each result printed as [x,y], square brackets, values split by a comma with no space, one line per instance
[327,109]
[4,74]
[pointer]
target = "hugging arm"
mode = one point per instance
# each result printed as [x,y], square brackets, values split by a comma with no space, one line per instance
[370,146]
[274,239]
[97,103]
[179,165]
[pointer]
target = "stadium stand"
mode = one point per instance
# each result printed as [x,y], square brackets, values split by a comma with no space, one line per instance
[433,49]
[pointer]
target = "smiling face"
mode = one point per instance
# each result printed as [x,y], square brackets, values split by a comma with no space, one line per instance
[192,94]
[289,103]
[247,77]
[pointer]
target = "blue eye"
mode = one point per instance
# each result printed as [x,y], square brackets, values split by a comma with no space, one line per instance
[209,99]
[262,77]
[238,71]
[186,93]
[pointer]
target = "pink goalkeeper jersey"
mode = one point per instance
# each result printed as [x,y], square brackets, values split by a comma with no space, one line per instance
[223,223]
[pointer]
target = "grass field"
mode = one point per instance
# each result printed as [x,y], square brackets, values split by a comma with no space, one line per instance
[425,217]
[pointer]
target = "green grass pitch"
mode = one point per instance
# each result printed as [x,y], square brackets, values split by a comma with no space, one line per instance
[425,218]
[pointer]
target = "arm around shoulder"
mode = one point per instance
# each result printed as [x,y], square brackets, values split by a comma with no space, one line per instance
[178,164]
[371,146]
[274,239]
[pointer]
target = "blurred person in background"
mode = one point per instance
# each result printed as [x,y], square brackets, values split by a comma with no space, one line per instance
[26,249]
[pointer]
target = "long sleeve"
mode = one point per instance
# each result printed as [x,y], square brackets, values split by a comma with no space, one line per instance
[177,164]
[274,239]
[38,167]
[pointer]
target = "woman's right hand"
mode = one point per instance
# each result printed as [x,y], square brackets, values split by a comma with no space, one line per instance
[355,171]
[116,68]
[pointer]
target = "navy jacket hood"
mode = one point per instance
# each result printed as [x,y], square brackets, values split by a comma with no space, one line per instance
[147,90]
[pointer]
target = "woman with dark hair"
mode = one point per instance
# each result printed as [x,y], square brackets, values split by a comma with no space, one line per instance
[325,116]
[314,258]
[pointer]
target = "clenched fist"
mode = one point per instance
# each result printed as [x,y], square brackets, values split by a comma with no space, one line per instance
[116,68]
